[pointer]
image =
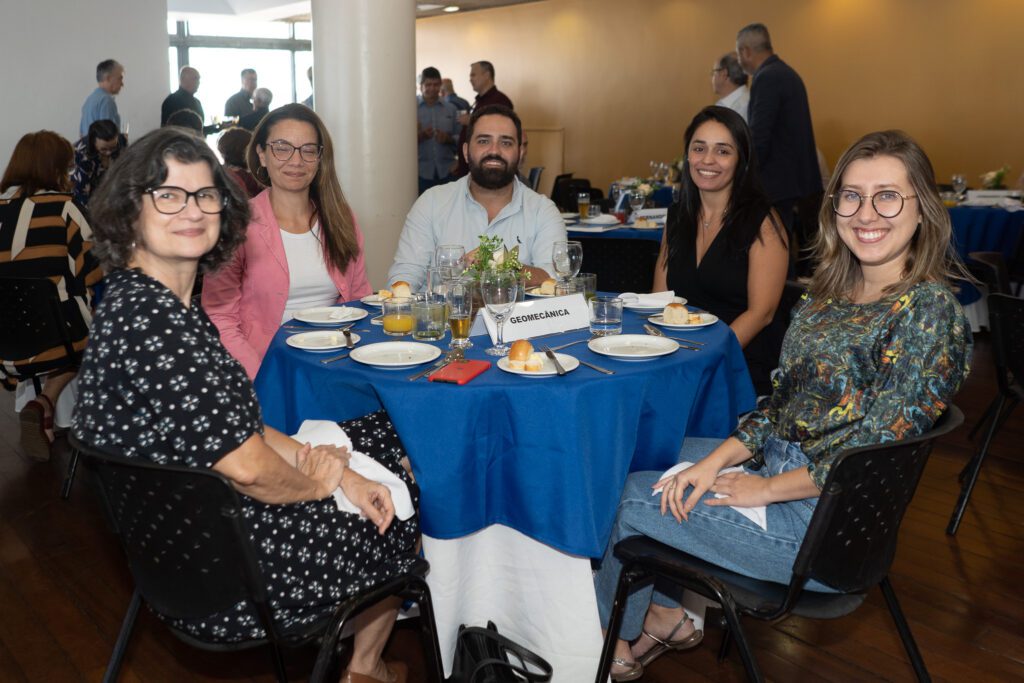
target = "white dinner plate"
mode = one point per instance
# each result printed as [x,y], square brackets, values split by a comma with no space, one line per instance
[568,362]
[395,354]
[372,300]
[705,320]
[320,340]
[570,216]
[603,219]
[535,291]
[633,346]
[329,315]
[660,307]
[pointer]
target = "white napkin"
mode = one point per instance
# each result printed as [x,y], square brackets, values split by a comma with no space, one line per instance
[320,432]
[758,515]
[336,314]
[652,300]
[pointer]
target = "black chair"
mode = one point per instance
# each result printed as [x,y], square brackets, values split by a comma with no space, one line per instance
[214,566]
[621,265]
[1006,321]
[33,322]
[990,267]
[560,193]
[850,544]
[533,179]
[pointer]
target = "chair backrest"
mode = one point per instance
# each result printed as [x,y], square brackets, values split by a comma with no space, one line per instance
[851,539]
[990,267]
[533,180]
[32,321]
[182,530]
[560,191]
[1006,320]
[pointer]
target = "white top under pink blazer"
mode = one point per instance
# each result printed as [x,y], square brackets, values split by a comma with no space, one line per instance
[246,297]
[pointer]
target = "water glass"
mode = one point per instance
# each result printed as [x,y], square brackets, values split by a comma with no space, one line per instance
[397,316]
[605,316]
[499,290]
[959,184]
[429,318]
[587,284]
[567,258]
[451,259]
[460,311]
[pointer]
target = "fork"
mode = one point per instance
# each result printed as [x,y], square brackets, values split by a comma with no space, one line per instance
[341,356]
[311,328]
[445,360]
[563,346]
[655,332]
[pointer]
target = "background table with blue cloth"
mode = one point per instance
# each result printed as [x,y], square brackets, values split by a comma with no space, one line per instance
[545,456]
[984,228]
[520,477]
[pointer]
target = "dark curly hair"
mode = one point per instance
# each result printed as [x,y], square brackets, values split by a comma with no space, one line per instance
[116,206]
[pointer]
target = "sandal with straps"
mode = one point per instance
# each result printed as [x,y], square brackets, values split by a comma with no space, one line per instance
[662,646]
[634,670]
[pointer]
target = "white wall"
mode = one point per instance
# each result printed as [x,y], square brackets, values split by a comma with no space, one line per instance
[49,53]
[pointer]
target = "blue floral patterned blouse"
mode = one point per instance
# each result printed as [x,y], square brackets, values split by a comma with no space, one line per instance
[852,375]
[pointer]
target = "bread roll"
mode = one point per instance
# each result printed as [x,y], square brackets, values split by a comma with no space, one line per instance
[384,294]
[401,288]
[694,319]
[535,363]
[520,350]
[674,314]
[547,287]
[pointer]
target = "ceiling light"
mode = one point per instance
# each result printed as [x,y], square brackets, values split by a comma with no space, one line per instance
[451,8]
[428,6]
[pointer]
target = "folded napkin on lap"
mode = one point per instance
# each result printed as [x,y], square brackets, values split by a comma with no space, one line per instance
[758,515]
[321,432]
[648,300]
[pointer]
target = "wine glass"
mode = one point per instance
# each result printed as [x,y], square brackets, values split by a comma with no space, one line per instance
[567,258]
[499,290]
[959,184]
[451,258]
[459,298]
[637,199]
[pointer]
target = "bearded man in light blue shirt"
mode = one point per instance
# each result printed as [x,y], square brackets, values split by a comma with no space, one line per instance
[100,103]
[490,201]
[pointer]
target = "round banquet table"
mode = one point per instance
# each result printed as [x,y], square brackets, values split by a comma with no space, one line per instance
[545,456]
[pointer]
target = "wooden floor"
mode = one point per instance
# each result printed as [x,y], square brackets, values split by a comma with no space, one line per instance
[63,586]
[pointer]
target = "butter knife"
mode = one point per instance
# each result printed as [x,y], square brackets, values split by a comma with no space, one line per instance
[563,346]
[597,367]
[325,361]
[554,359]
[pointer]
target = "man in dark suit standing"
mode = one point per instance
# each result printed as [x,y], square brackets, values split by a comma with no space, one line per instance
[481,77]
[780,119]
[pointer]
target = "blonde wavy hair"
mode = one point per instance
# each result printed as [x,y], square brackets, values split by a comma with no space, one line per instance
[931,256]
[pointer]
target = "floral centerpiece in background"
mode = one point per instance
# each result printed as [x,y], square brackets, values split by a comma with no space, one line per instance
[993,180]
[492,254]
[645,186]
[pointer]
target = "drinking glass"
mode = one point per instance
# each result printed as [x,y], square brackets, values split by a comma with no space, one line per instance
[460,312]
[429,318]
[587,284]
[567,258]
[451,259]
[499,290]
[959,184]
[605,316]
[637,199]
[397,316]
[583,205]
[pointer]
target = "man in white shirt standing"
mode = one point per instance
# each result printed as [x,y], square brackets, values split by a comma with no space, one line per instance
[729,82]
[490,201]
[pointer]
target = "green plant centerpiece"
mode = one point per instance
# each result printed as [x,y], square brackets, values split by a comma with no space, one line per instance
[492,254]
[993,180]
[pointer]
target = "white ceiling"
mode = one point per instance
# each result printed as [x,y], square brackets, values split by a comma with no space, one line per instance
[272,10]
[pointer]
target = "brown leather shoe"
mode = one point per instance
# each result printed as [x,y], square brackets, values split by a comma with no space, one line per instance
[398,672]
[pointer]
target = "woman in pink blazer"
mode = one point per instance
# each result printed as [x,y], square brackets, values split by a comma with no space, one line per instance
[302,247]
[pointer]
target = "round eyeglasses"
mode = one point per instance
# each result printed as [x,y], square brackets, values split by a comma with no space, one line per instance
[887,203]
[284,150]
[168,199]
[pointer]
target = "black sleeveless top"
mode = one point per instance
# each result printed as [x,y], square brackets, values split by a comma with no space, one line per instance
[719,285]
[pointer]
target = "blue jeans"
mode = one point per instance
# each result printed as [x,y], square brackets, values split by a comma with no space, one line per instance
[716,534]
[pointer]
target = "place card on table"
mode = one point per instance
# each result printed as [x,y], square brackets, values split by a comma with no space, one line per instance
[539,316]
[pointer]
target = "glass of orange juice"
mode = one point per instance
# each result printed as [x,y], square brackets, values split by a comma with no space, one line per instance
[398,319]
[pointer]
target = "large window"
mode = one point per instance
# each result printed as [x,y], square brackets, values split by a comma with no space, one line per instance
[221,47]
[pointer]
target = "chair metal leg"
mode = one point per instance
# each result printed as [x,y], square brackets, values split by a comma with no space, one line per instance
[985,417]
[904,630]
[627,577]
[723,649]
[125,634]
[69,478]
[972,476]
[275,654]
[746,654]
[420,592]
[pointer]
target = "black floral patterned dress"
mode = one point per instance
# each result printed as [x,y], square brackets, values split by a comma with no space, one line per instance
[156,383]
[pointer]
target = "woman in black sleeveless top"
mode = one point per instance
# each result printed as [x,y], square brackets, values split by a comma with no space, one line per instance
[724,248]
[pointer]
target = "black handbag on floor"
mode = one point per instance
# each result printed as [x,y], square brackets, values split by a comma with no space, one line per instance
[482,655]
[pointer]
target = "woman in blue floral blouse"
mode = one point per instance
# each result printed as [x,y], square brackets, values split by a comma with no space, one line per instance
[875,352]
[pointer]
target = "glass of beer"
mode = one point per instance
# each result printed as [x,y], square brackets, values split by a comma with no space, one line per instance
[583,205]
[398,320]
[460,311]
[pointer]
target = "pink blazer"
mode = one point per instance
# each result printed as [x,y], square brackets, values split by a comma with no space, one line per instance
[246,297]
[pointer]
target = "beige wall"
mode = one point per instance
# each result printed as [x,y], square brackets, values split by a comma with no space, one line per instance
[624,79]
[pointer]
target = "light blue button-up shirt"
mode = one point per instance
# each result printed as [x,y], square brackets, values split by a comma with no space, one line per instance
[435,157]
[98,105]
[448,214]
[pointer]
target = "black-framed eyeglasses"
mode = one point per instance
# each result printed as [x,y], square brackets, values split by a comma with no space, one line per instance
[284,150]
[169,199]
[887,203]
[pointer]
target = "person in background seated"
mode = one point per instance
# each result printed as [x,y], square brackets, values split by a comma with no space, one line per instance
[93,155]
[43,234]
[876,351]
[157,385]
[261,100]
[232,145]
[724,249]
[303,247]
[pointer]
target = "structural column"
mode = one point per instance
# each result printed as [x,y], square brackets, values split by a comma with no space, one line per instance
[364,68]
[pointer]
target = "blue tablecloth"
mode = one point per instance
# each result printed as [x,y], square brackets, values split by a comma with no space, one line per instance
[620,233]
[547,457]
[983,228]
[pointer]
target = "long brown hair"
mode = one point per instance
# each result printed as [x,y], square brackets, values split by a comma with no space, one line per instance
[931,256]
[337,224]
[40,162]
